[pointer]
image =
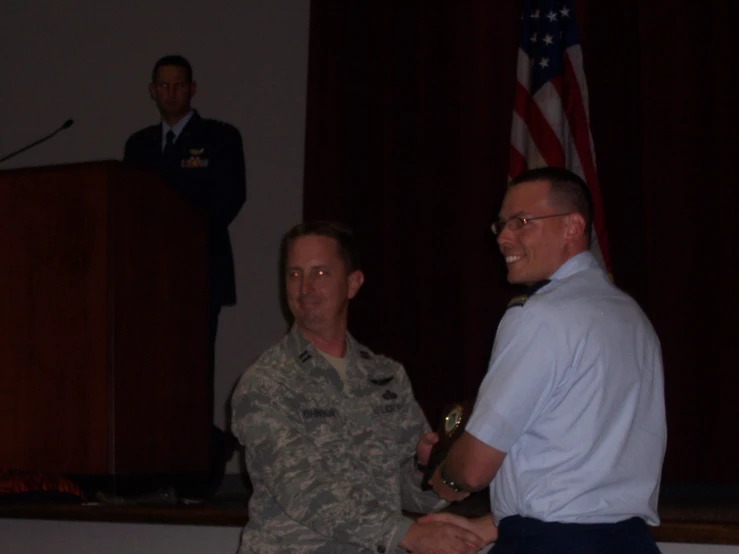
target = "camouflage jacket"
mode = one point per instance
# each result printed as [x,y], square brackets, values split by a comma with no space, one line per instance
[331,466]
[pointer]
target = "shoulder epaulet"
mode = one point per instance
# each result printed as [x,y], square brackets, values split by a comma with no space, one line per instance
[521,299]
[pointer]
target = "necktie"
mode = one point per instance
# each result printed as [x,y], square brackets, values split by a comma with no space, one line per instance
[169,147]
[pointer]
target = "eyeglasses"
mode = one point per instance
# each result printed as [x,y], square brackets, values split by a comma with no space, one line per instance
[516,222]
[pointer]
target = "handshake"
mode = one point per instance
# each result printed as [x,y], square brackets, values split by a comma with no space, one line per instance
[434,448]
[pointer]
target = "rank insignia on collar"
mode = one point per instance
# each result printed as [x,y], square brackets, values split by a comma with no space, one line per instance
[305,356]
[521,299]
[381,382]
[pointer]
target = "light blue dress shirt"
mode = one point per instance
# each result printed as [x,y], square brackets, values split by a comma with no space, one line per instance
[176,128]
[575,396]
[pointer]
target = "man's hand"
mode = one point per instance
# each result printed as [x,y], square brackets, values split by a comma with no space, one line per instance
[443,490]
[423,449]
[482,526]
[440,536]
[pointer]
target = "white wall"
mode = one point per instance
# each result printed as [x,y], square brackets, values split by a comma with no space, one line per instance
[92,61]
[41,537]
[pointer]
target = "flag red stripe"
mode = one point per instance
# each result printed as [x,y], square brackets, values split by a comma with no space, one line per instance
[541,133]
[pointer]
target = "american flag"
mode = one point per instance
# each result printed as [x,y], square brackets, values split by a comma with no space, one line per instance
[550,114]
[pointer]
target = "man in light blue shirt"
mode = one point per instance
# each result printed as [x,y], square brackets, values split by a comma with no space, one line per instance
[569,425]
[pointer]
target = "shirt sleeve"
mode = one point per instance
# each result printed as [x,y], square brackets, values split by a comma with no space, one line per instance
[267,420]
[520,378]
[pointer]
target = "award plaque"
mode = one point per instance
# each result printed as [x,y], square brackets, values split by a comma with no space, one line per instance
[453,420]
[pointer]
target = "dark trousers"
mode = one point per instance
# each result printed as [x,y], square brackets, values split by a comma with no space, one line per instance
[524,535]
[221,443]
[221,446]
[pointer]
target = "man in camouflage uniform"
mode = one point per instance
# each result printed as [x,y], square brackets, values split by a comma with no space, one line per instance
[330,428]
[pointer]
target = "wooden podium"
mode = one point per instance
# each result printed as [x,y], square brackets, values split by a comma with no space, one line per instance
[103,328]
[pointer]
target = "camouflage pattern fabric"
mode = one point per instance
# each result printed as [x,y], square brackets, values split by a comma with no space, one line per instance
[331,465]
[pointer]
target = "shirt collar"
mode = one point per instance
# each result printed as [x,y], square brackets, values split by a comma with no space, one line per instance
[176,128]
[577,263]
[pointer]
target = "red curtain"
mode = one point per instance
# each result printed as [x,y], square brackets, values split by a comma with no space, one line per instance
[409,116]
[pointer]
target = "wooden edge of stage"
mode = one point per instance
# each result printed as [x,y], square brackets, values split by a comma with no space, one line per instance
[171,514]
[697,532]
[232,514]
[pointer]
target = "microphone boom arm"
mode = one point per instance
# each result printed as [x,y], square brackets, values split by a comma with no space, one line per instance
[66,125]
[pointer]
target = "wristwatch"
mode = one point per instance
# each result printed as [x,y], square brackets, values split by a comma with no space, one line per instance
[448,482]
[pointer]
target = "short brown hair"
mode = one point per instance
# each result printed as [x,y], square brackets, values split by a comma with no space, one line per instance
[175,60]
[568,191]
[346,242]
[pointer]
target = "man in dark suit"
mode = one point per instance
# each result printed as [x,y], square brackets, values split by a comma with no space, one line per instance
[203,160]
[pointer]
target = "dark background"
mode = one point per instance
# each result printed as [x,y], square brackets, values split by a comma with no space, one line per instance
[409,117]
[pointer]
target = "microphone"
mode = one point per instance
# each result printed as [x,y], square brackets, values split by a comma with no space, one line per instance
[66,125]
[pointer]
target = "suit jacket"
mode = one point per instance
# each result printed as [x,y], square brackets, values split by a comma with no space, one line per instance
[207,168]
